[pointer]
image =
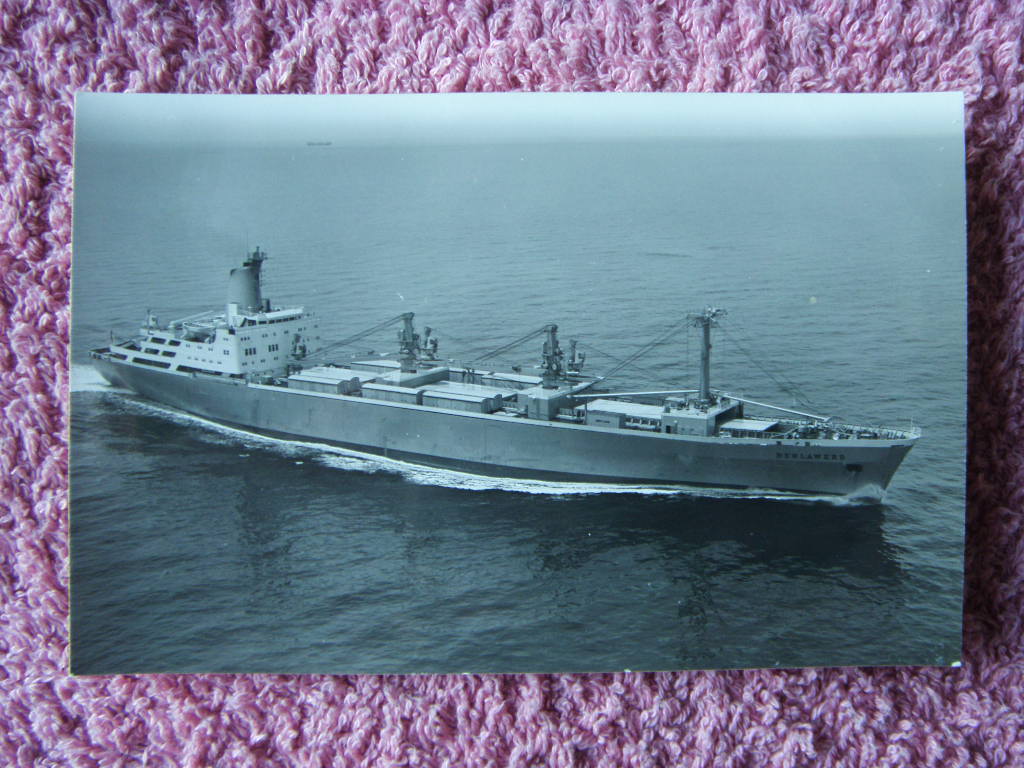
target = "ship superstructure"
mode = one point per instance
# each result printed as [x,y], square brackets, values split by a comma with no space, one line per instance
[248,337]
[264,368]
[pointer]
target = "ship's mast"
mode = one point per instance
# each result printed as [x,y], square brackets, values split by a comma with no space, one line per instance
[705,320]
[255,258]
[408,344]
[576,359]
[553,357]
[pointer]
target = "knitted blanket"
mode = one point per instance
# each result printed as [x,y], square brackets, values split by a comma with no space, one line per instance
[869,717]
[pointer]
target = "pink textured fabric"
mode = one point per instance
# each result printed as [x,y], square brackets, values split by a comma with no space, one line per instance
[852,717]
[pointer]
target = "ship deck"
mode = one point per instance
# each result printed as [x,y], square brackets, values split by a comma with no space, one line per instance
[505,394]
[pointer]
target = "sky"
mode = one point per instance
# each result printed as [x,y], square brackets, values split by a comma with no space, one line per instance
[209,121]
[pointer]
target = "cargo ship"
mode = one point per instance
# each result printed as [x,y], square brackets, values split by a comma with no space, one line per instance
[263,368]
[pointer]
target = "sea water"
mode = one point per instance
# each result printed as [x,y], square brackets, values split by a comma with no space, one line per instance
[197,547]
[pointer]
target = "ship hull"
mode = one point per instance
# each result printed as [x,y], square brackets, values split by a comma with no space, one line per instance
[507,446]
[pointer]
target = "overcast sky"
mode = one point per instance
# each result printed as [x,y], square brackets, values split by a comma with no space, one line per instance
[417,119]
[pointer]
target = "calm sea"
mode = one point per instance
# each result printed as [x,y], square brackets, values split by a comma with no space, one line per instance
[201,548]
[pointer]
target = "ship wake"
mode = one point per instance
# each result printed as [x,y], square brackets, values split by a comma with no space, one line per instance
[85,378]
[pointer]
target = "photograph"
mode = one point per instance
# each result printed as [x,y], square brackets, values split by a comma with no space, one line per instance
[501,383]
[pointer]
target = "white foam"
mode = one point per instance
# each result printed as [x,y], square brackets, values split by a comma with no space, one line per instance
[871,494]
[85,378]
[450,478]
[355,461]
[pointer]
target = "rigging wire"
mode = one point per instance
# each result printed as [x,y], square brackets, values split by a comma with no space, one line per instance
[792,386]
[354,338]
[665,336]
[781,381]
[466,345]
[512,344]
[581,344]
[646,372]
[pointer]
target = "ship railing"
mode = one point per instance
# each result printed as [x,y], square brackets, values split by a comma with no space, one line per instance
[129,344]
[876,432]
[208,314]
[812,416]
[641,423]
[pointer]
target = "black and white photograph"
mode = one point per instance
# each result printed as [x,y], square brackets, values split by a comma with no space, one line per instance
[517,382]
